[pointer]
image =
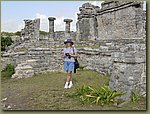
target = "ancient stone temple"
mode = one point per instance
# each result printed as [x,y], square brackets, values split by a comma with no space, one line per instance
[116,19]
[111,40]
[31,29]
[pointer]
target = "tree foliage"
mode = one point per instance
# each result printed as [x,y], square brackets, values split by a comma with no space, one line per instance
[5,42]
[7,34]
[18,33]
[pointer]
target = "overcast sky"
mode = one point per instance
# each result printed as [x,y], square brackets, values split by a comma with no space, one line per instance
[14,12]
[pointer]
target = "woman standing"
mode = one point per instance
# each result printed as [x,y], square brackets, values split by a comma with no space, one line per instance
[69,53]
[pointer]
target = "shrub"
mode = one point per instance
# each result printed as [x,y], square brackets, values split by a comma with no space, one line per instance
[8,71]
[91,95]
[18,33]
[5,42]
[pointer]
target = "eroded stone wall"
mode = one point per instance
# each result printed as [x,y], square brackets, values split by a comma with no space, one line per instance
[31,29]
[87,23]
[124,20]
[115,20]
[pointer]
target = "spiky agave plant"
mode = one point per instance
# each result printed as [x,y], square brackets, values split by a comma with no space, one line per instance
[134,96]
[102,95]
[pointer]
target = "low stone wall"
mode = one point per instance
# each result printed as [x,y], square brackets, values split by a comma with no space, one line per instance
[44,59]
[59,36]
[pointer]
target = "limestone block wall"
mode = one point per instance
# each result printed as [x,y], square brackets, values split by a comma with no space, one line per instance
[61,35]
[31,29]
[124,20]
[86,29]
[129,69]
[115,20]
[87,23]
[40,59]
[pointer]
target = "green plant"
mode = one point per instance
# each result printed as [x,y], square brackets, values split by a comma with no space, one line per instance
[18,33]
[102,95]
[8,71]
[7,33]
[134,96]
[5,42]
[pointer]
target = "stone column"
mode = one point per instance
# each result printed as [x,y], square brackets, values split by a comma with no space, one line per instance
[51,27]
[67,28]
[37,28]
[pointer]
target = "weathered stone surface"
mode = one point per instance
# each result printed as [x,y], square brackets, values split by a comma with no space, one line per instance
[116,19]
[86,29]
[23,70]
[117,32]
[126,77]
[31,29]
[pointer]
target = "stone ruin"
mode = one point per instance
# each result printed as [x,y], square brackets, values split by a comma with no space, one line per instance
[31,29]
[117,30]
[115,20]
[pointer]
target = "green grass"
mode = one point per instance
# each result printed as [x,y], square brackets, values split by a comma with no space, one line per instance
[45,91]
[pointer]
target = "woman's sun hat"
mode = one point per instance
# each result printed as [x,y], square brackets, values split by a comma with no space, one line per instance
[68,41]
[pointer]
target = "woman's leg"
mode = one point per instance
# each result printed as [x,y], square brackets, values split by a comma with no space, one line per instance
[69,78]
[71,69]
[69,66]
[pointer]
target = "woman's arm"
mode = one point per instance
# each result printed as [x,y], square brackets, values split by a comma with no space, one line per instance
[74,55]
[63,53]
